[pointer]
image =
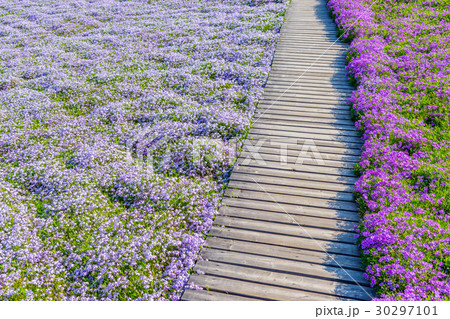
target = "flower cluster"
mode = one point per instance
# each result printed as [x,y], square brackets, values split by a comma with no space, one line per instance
[90,91]
[400,61]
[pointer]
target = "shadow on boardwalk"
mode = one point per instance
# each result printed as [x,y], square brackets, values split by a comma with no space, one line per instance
[287,225]
[346,267]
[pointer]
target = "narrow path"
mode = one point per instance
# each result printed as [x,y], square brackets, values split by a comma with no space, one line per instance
[286,231]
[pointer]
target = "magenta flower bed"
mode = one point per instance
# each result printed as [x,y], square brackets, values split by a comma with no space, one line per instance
[400,62]
[118,122]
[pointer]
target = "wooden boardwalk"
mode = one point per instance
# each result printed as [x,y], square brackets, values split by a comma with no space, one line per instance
[286,230]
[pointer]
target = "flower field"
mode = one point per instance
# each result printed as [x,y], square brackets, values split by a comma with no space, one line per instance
[400,61]
[119,122]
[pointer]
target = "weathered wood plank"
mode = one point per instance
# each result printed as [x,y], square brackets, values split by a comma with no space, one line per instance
[294,147]
[287,241]
[339,78]
[319,130]
[296,160]
[293,119]
[293,82]
[293,229]
[285,280]
[307,97]
[326,106]
[289,266]
[263,291]
[282,217]
[295,182]
[298,112]
[259,192]
[311,89]
[299,122]
[298,140]
[290,157]
[333,139]
[287,253]
[308,111]
[295,172]
[308,166]
[205,295]
[296,79]
[293,209]
[317,89]
[301,189]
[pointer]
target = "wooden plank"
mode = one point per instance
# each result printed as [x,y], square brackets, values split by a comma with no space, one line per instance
[308,166]
[301,138]
[258,290]
[277,87]
[311,60]
[284,229]
[299,142]
[292,219]
[340,78]
[289,266]
[316,66]
[284,280]
[295,172]
[330,98]
[307,91]
[302,60]
[317,130]
[293,161]
[293,39]
[296,145]
[284,80]
[285,181]
[313,70]
[293,35]
[292,209]
[306,97]
[319,42]
[205,295]
[304,123]
[333,139]
[311,99]
[284,48]
[331,34]
[275,110]
[286,253]
[337,65]
[288,123]
[301,189]
[326,106]
[308,111]
[309,78]
[285,44]
[286,241]
[336,123]
[294,82]
[290,156]
[262,192]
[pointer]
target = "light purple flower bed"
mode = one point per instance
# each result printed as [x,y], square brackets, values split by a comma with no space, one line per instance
[90,92]
[400,61]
